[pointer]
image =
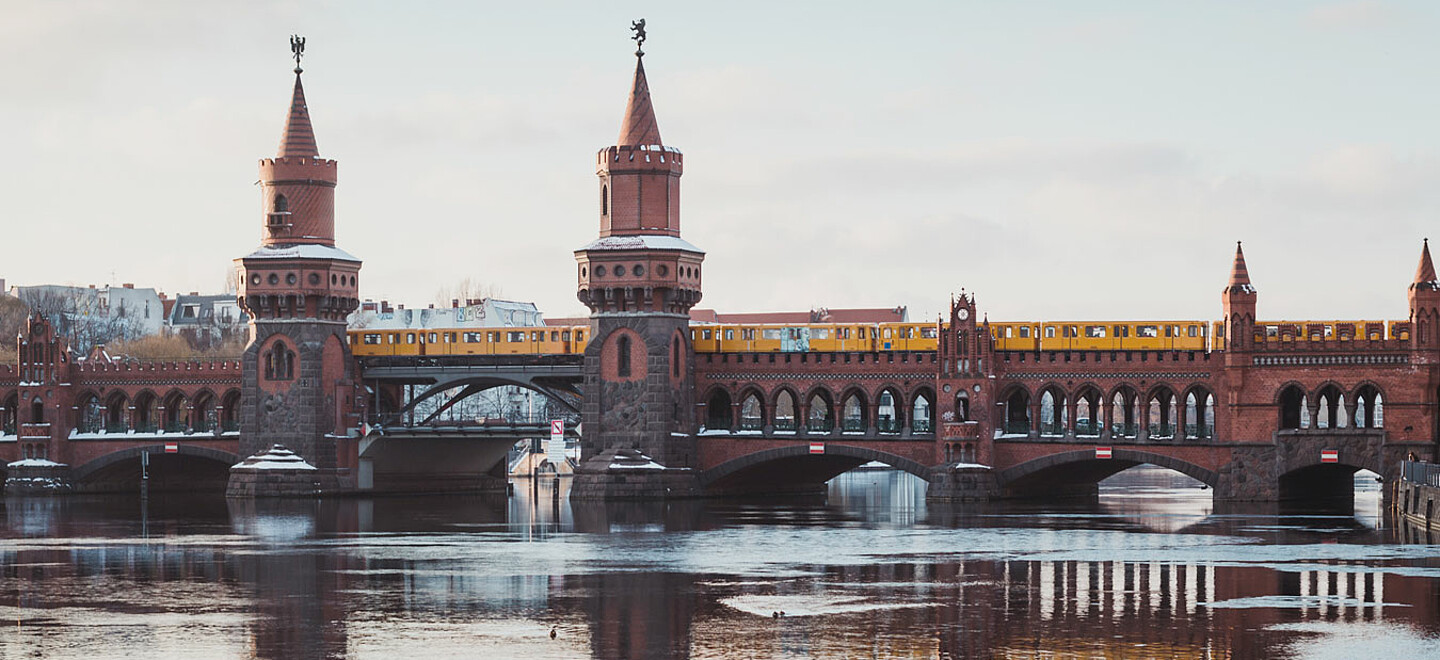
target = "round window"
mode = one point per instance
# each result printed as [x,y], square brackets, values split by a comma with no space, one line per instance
[584,272]
[332,279]
[255,279]
[662,270]
[639,270]
[314,278]
[599,272]
[290,278]
[274,279]
[619,271]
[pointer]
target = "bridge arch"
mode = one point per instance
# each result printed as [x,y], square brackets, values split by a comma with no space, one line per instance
[719,409]
[1081,468]
[785,408]
[119,470]
[476,384]
[762,470]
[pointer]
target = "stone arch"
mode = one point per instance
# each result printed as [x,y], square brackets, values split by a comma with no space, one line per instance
[962,412]
[1199,411]
[752,408]
[819,407]
[623,356]
[1088,409]
[784,409]
[117,411]
[719,410]
[922,410]
[890,412]
[10,414]
[1161,411]
[146,415]
[1290,399]
[1122,411]
[176,412]
[838,458]
[89,413]
[1369,401]
[854,410]
[1053,406]
[230,411]
[1329,402]
[208,469]
[1014,409]
[204,414]
[1067,463]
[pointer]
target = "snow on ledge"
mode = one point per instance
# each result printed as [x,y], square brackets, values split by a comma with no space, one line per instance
[970,466]
[35,462]
[276,458]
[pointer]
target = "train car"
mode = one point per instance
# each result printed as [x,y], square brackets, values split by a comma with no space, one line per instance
[1016,336]
[1399,330]
[539,340]
[1217,336]
[908,337]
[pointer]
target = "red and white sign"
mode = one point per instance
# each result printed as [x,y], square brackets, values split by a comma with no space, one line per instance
[1102,453]
[817,447]
[557,427]
[172,447]
[1329,456]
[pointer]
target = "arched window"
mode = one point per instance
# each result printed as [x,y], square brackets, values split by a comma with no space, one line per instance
[784,413]
[282,205]
[718,415]
[854,414]
[37,411]
[675,357]
[962,407]
[1292,401]
[752,414]
[279,362]
[604,200]
[622,357]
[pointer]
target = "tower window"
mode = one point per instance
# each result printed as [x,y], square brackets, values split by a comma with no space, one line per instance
[279,362]
[604,200]
[282,205]
[622,357]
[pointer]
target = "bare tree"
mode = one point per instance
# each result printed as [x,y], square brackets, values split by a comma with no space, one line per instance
[465,290]
[13,313]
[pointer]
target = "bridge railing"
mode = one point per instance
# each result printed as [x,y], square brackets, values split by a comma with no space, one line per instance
[1017,428]
[820,425]
[752,424]
[785,424]
[1199,431]
[888,425]
[922,426]
[1087,428]
[1421,472]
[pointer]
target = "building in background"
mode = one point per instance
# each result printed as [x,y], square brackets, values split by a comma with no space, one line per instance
[206,321]
[480,313]
[92,315]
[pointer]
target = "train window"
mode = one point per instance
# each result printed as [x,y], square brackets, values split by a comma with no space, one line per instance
[928,333]
[1122,331]
[1025,332]
[579,335]
[822,333]
[1329,331]
[394,338]
[772,333]
[1074,330]
[514,336]
[554,335]
[1008,331]
[432,337]
[1147,331]
[707,334]
[1095,331]
[844,333]
[471,337]
[564,335]
[372,338]
[1192,331]
[729,334]
[492,336]
[537,335]
[1049,332]
[748,334]
[409,337]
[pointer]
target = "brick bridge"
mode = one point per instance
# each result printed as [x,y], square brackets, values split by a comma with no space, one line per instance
[1266,411]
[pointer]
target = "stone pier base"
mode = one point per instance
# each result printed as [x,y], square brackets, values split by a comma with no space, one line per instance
[35,477]
[967,484]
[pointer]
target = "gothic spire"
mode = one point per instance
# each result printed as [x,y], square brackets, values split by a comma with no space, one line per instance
[298,140]
[1239,274]
[639,126]
[1425,273]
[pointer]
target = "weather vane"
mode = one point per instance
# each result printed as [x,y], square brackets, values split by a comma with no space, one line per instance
[638,27]
[297,46]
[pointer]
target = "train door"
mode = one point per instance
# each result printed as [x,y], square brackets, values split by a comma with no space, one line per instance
[795,340]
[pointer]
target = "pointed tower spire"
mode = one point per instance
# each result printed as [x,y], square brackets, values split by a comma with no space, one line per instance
[298,140]
[1239,274]
[1425,273]
[639,126]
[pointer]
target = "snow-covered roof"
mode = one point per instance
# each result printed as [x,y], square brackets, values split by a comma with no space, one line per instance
[302,251]
[650,241]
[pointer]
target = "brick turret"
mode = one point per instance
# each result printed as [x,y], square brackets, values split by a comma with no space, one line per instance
[639,279]
[1239,300]
[298,373]
[1424,295]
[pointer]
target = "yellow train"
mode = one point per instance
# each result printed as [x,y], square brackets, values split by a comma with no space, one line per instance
[874,337]
[1100,336]
[539,340]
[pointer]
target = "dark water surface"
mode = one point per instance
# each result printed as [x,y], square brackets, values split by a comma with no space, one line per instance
[1152,569]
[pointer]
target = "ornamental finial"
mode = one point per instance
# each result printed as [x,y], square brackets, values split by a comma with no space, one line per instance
[297,47]
[638,27]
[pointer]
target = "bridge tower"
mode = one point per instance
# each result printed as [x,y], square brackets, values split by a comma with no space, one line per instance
[639,279]
[298,380]
[1424,295]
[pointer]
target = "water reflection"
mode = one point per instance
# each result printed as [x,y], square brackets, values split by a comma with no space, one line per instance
[1152,567]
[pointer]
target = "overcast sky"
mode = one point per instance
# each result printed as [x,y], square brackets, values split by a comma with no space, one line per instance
[1063,160]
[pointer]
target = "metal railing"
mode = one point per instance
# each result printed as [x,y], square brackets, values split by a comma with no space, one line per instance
[229,426]
[751,424]
[922,426]
[204,426]
[1017,428]
[888,426]
[853,424]
[1421,472]
[146,428]
[1162,431]
[116,427]
[1199,431]
[825,425]
[785,424]
[1125,430]
[175,427]
[1087,428]
[9,429]
[1051,429]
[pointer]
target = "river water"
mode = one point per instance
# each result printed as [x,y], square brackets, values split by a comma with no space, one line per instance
[1151,570]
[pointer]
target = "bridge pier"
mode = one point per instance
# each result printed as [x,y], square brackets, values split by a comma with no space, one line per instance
[948,483]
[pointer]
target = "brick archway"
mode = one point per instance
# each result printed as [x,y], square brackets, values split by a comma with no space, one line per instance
[1121,458]
[861,454]
[81,473]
